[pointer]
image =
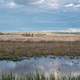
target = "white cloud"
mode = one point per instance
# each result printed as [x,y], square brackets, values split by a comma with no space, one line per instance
[38,2]
[54,4]
[72,30]
[65,30]
[69,5]
[11,5]
[43,4]
[51,4]
[77,6]
[72,5]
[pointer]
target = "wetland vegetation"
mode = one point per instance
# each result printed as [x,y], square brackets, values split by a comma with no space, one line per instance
[24,53]
[29,44]
[28,49]
[38,76]
[55,68]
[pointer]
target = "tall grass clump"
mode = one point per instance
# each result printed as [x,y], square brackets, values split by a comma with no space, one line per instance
[37,76]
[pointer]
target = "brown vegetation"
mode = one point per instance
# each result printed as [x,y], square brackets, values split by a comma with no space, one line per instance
[24,49]
[21,45]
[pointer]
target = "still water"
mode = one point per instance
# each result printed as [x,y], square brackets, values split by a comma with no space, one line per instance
[47,65]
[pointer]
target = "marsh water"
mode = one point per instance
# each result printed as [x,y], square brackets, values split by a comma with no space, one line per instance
[47,65]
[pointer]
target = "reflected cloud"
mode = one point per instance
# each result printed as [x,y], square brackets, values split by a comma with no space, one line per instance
[46,65]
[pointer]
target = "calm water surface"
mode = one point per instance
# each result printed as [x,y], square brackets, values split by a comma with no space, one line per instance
[47,65]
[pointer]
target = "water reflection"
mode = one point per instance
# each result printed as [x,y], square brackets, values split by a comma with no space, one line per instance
[44,64]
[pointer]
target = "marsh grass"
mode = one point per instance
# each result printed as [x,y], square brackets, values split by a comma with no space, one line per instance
[37,76]
[29,49]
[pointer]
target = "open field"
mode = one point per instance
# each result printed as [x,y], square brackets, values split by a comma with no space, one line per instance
[37,44]
[39,37]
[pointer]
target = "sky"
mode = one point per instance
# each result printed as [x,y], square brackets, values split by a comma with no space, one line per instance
[39,15]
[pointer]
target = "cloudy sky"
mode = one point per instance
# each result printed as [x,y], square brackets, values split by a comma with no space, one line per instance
[39,15]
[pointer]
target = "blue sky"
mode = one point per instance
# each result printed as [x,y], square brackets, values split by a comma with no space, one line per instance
[39,15]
